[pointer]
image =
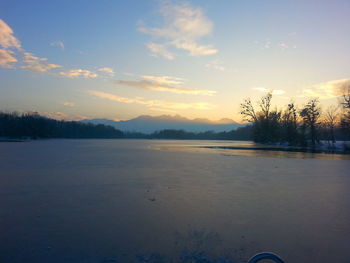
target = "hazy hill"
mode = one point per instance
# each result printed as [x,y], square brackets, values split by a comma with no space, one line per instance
[149,124]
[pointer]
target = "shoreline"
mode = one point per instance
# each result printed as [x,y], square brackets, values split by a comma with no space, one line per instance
[281,149]
[323,149]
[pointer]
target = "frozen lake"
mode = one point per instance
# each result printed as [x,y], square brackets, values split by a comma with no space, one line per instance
[150,201]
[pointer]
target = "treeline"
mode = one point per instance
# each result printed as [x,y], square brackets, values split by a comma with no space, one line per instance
[35,126]
[305,126]
[241,133]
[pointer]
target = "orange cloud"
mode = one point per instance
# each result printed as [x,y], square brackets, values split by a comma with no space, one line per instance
[76,73]
[153,103]
[107,70]
[328,90]
[7,57]
[7,39]
[37,64]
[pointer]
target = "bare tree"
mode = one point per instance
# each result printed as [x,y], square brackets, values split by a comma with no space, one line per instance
[310,115]
[290,123]
[248,112]
[290,114]
[330,119]
[345,116]
[266,122]
[346,99]
[265,105]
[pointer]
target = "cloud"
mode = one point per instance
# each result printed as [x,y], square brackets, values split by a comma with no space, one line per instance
[216,64]
[63,116]
[37,64]
[7,39]
[194,48]
[68,104]
[159,50]
[153,103]
[274,91]
[283,46]
[183,26]
[106,70]
[163,110]
[268,43]
[164,79]
[76,73]
[59,44]
[162,84]
[327,90]
[32,62]
[7,57]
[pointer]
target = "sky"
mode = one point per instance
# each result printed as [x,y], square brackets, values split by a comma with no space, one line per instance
[120,59]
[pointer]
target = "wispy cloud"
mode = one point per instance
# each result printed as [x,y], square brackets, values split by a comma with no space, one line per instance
[78,73]
[283,46]
[265,44]
[165,79]
[270,44]
[163,110]
[194,48]
[152,103]
[108,71]
[159,50]
[37,64]
[7,38]
[163,83]
[145,84]
[59,44]
[274,91]
[327,90]
[8,41]
[6,58]
[68,104]
[216,64]
[183,26]
[31,62]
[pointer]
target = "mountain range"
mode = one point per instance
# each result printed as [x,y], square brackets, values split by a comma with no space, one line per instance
[149,124]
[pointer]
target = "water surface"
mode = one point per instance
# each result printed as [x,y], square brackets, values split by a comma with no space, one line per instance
[149,200]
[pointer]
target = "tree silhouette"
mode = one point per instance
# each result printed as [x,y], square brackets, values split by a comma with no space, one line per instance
[290,124]
[266,122]
[345,117]
[310,115]
[331,117]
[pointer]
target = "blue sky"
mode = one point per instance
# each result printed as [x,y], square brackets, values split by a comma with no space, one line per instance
[121,59]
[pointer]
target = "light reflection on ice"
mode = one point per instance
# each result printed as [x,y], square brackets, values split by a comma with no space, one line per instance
[242,148]
[103,200]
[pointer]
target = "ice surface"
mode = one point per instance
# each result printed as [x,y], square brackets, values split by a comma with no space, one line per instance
[132,200]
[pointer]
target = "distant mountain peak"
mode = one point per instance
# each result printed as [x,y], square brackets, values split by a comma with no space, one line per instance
[226,121]
[178,117]
[149,124]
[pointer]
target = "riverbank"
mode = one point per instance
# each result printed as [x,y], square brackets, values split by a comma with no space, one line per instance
[342,147]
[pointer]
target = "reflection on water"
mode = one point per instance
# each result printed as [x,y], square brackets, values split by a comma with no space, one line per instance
[244,148]
[93,201]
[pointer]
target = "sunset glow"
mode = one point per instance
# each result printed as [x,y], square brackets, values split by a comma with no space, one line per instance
[198,59]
